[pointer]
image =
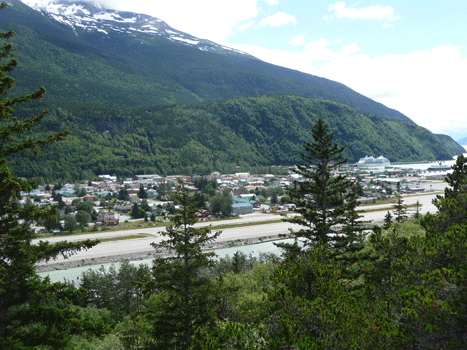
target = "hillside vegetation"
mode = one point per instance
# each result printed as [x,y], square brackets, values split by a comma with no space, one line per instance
[246,132]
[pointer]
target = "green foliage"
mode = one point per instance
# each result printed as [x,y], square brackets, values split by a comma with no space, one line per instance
[123,194]
[118,290]
[324,200]
[246,293]
[185,300]
[452,146]
[387,220]
[83,217]
[137,212]
[400,212]
[33,312]
[142,192]
[221,203]
[70,223]
[218,136]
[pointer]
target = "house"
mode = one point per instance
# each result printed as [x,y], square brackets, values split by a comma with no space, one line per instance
[108,218]
[123,207]
[247,199]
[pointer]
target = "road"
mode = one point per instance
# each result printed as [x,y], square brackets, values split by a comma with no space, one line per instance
[254,232]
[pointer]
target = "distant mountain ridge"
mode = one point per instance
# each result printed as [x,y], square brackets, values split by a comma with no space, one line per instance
[165,65]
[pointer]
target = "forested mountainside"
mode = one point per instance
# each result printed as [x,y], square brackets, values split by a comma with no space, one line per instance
[200,138]
[144,101]
[451,145]
[120,62]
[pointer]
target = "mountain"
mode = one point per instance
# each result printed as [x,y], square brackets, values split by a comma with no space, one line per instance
[141,97]
[452,146]
[82,52]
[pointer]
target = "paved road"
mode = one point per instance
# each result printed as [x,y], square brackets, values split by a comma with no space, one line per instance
[142,245]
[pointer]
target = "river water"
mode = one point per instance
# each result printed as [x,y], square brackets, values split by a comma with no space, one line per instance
[253,249]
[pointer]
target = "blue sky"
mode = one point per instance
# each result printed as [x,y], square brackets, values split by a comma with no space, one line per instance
[408,55]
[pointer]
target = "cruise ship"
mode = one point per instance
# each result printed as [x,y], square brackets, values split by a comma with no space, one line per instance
[439,167]
[372,162]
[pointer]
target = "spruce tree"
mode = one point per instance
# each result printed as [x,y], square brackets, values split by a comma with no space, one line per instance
[400,212]
[387,220]
[142,192]
[33,312]
[321,196]
[184,303]
[452,207]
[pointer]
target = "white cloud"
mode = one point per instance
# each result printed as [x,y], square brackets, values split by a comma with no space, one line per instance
[278,19]
[245,26]
[372,12]
[350,49]
[272,2]
[427,86]
[211,19]
[297,41]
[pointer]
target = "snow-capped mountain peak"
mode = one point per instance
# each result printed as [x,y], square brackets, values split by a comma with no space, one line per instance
[88,17]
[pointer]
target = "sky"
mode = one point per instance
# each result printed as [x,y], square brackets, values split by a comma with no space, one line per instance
[408,55]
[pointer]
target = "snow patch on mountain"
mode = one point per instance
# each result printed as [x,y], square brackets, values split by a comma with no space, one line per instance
[84,16]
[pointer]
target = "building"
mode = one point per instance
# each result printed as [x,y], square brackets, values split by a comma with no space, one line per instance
[242,208]
[108,218]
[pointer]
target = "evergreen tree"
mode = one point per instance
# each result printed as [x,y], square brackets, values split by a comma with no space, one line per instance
[320,197]
[33,312]
[452,207]
[184,303]
[142,192]
[145,205]
[387,220]
[123,194]
[400,212]
[137,212]
[417,210]
[352,237]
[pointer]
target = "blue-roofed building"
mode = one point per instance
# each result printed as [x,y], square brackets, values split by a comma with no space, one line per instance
[242,208]
[255,203]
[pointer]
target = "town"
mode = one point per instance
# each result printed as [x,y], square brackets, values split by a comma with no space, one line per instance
[111,202]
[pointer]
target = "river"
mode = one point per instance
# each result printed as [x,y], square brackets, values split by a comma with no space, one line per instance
[253,249]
